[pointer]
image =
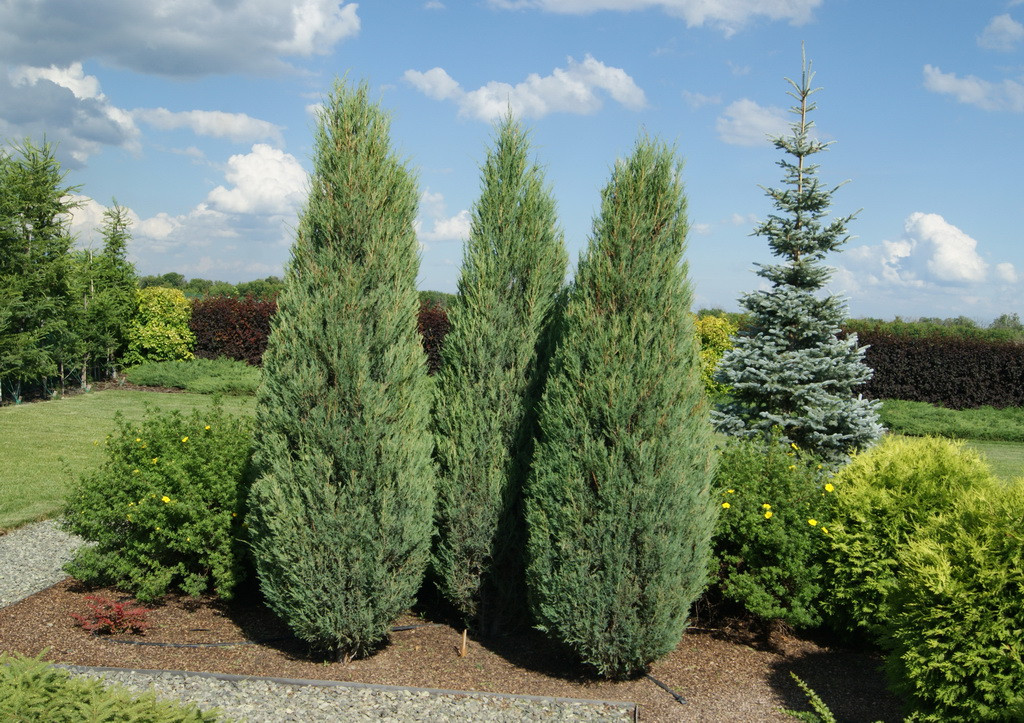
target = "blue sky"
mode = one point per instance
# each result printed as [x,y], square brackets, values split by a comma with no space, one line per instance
[197,116]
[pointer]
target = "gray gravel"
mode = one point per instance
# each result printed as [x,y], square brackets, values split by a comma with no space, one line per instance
[31,559]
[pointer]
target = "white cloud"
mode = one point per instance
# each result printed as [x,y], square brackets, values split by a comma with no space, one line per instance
[1002,33]
[728,15]
[264,181]
[441,226]
[566,90]
[183,38]
[433,5]
[65,105]
[745,123]
[237,127]
[932,253]
[86,220]
[1007,95]
[699,100]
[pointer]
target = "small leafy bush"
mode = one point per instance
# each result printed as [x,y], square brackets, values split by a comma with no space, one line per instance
[955,636]
[884,497]
[716,334]
[32,690]
[201,376]
[160,329]
[112,616]
[166,506]
[771,536]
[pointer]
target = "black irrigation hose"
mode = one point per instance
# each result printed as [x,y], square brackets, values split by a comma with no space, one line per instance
[679,698]
[396,629]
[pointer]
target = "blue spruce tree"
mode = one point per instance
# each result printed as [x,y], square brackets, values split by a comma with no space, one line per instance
[790,368]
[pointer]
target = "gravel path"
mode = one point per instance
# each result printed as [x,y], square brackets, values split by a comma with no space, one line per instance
[31,559]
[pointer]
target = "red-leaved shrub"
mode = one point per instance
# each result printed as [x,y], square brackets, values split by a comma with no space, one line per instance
[232,328]
[433,326]
[112,617]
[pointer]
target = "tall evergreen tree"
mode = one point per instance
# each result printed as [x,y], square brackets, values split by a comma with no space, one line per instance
[618,508]
[342,510]
[488,386]
[36,325]
[789,368]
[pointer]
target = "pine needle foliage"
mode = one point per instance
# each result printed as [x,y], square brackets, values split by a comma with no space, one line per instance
[789,368]
[342,510]
[618,508]
[490,380]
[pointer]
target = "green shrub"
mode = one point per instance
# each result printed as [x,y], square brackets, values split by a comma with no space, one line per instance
[955,636]
[160,330]
[32,690]
[985,423]
[202,376]
[772,531]
[715,334]
[883,498]
[165,507]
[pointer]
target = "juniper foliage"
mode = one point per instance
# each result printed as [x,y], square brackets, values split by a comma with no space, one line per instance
[490,380]
[789,368]
[618,508]
[342,510]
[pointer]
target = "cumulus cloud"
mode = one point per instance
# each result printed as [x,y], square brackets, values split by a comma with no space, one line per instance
[1006,95]
[434,224]
[728,15]
[1002,33]
[932,253]
[237,127]
[566,90]
[65,105]
[184,38]
[699,100]
[745,123]
[264,181]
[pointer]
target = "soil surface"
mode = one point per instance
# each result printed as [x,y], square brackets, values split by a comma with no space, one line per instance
[723,673]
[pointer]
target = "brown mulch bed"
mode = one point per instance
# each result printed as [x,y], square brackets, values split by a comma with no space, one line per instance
[724,674]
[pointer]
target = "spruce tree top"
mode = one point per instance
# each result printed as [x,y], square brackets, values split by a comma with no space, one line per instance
[798,233]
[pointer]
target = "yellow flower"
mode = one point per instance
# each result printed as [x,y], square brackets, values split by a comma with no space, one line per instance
[165,499]
[829,487]
[731,491]
[768,515]
[766,506]
[726,505]
[154,460]
[825,530]
[207,427]
[135,471]
[128,517]
[792,466]
[819,466]
[793,445]
[137,439]
[184,439]
[812,522]
[188,539]
[158,528]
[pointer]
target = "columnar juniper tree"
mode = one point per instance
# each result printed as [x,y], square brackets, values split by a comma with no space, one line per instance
[790,369]
[342,509]
[489,383]
[618,509]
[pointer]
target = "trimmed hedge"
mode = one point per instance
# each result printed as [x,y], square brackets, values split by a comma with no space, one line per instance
[232,328]
[958,373]
[433,327]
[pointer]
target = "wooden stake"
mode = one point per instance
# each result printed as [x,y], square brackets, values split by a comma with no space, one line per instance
[462,650]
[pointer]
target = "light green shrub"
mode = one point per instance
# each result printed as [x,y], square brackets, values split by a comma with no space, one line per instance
[772,531]
[166,506]
[160,330]
[32,690]
[715,334]
[883,498]
[956,631]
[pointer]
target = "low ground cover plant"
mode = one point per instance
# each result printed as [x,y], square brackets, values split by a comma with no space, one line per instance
[32,690]
[772,533]
[166,506]
[954,634]
[201,376]
[984,423]
[884,498]
[112,616]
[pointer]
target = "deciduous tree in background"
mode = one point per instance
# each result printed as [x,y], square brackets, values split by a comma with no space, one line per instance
[789,368]
[618,509]
[341,514]
[489,383]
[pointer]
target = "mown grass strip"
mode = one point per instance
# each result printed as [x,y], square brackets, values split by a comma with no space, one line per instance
[47,444]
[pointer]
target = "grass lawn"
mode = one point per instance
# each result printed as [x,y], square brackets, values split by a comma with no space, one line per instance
[47,444]
[1005,458]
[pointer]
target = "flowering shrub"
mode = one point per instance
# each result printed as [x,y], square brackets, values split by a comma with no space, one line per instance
[166,506]
[111,616]
[772,533]
[884,497]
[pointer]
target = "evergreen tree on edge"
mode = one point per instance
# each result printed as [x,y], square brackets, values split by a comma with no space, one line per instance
[789,368]
[618,510]
[489,383]
[342,509]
